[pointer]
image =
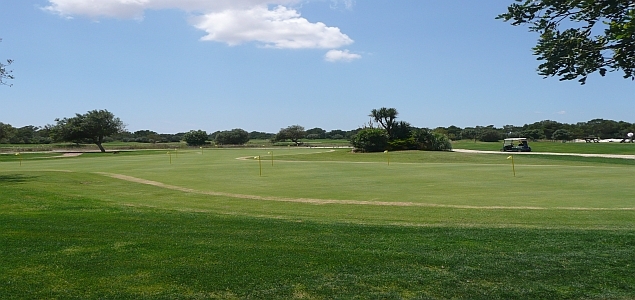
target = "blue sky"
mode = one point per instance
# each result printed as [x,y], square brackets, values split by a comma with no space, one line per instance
[177,65]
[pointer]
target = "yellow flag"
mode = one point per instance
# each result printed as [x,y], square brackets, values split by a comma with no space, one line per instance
[385,151]
[509,157]
[17,154]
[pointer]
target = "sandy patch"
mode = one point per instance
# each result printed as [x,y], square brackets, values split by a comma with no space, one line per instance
[71,154]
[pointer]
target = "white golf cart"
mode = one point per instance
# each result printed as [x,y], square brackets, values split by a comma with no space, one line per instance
[516,145]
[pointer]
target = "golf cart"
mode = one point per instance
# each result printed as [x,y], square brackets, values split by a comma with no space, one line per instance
[516,145]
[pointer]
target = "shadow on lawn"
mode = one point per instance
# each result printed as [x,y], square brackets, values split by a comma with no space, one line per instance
[15,178]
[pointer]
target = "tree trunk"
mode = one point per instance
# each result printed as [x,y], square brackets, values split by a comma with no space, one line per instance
[101,147]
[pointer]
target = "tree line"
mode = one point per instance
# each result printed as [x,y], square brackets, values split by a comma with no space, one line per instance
[542,130]
[383,132]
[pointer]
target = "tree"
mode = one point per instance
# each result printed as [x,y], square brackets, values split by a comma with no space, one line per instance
[92,126]
[385,117]
[6,131]
[562,135]
[489,134]
[195,137]
[293,133]
[232,137]
[370,140]
[401,130]
[336,134]
[4,73]
[257,135]
[533,134]
[470,134]
[318,133]
[579,37]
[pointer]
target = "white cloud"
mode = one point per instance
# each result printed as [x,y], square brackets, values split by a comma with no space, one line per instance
[341,55]
[562,112]
[229,21]
[277,28]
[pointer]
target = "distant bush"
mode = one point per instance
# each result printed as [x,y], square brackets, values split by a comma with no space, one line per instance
[195,137]
[370,140]
[232,137]
[489,135]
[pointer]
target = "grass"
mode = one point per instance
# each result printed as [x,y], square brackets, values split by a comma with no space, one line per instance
[558,147]
[428,226]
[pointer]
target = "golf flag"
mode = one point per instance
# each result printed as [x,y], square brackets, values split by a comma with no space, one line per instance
[513,166]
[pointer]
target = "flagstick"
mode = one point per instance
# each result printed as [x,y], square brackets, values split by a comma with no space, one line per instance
[513,166]
[260,165]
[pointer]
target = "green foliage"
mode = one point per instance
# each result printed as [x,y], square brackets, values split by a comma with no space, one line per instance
[489,135]
[431,141]
[232,137]
[469,134]
[4,73]
[562,135]
[385,117]
[402,144]
[316,133]
[293,133]
[92,127]
[6,131]
[257,135]
[195,137]
[370,140]
[570,42]
[401,130]
[533,134]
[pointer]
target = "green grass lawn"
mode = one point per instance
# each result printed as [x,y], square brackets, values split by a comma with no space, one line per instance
[318,224]
[559,147]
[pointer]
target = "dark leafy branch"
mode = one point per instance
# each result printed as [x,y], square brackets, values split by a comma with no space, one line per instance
[4,73]
[579,37]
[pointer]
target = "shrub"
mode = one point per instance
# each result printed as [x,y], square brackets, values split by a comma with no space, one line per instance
[232,137]
[490,135]
[195,137]
[370,140]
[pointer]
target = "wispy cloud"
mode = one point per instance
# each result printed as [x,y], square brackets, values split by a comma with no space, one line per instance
[271,23]
[348,4]
[341,55]
[562,112]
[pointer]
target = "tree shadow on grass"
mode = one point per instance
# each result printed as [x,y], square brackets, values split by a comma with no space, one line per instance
[15,178]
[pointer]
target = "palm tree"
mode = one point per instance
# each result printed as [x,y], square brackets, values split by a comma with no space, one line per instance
[385,117]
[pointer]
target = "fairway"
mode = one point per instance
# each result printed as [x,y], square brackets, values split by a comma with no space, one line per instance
[407,225]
